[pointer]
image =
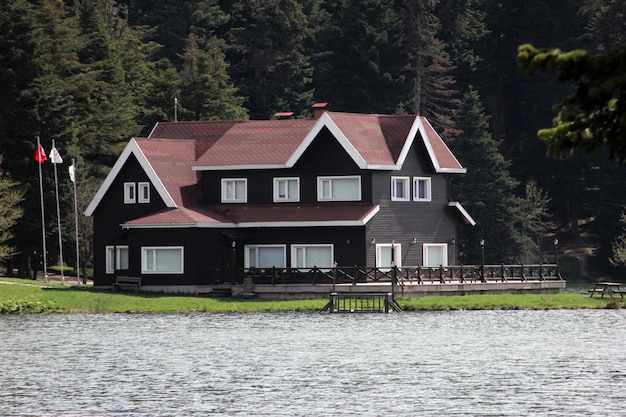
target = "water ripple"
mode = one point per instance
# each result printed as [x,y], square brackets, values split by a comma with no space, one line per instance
[483,363]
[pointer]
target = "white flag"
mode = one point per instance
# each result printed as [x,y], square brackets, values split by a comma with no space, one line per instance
[55,157]
[72,173]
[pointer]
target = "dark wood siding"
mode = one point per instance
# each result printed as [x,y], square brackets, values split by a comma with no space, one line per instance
[205,248]
[111,212]
[324,157]
[401,221]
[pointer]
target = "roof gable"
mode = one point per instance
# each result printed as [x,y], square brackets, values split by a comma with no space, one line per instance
[175,150]
[131,149]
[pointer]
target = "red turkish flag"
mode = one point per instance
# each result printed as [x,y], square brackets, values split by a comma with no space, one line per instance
[40,154]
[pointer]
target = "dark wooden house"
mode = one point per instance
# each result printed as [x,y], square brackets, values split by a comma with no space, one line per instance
[197,198]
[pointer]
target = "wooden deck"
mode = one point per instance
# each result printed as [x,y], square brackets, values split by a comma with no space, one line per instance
[277,283]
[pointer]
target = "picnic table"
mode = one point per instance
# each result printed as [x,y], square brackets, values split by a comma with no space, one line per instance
[605,287]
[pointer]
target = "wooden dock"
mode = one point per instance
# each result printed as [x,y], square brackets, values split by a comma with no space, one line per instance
[361,303]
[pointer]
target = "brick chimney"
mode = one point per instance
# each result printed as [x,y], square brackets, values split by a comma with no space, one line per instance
[284,115]
[319,109]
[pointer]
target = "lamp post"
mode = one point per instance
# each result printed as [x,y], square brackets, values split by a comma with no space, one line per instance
[556,251]
[482,260]
[233,262]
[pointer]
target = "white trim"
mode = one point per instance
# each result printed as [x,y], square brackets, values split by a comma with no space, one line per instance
[408,142]
[246,255]
[326,121]
[141,187]
[429,188]
[218,225]
[397,254]
[433,155]
[237,167]
[144,260]
[277,198]
[321,197]
[130,193]
[406,188]
[115,251]
[444,254]
[464,213]
[296,246]
[153,129]
[131,149]
[235,181]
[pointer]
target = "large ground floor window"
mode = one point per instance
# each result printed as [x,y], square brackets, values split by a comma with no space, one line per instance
[116,258]
[265,256]
[309,256]
[435,254]
[162,260]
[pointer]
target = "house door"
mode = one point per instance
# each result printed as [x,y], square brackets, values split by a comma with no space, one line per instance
[229,260]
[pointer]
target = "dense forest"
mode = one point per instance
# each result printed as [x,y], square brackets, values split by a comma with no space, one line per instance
[90,74]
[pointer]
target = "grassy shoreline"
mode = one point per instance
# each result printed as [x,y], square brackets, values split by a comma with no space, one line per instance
[19,296]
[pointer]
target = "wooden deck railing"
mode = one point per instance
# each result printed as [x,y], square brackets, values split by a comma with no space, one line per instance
[355,274]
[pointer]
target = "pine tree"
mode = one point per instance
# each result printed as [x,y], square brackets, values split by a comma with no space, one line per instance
[10,213]
[487,189]
[35,102]
[265,45]
[103,101]
[359,59]
[207,92]
[433,85]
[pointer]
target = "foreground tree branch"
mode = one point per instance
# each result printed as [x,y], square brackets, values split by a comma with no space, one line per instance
[594,115]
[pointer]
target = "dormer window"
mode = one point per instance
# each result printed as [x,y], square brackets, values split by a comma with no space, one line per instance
[346,188]
[130,193]
[234,190]
[400,189]
[286,189]
[421,189]
[144,192]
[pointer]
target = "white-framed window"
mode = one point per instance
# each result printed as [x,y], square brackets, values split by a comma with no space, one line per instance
[435,254]
[400,189]
[234,190]
[421,189]
[143,195]
[286,189]
[116,258]
[308,256]
[130,193]
[265,256]
[162,260]
[388,255]
[346,188]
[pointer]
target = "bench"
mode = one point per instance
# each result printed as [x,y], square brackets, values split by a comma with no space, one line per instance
[609,288]
[130,283]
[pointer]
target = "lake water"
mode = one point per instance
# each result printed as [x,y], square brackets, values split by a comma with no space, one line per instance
[461,363]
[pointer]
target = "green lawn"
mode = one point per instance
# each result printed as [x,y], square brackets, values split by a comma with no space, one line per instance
[27,296]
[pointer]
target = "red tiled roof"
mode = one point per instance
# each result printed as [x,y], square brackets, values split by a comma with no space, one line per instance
[364,132]
[257,142]
[444,157]
[294,214]
[175,150]
[205,133]
[172,161]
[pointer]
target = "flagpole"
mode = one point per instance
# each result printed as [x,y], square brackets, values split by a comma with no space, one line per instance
[43,221]
[56,185]
[73,178]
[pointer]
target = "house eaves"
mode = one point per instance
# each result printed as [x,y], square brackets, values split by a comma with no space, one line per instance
[326,121]
[132,148]
[438,151]
[466,216]
[262,217]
